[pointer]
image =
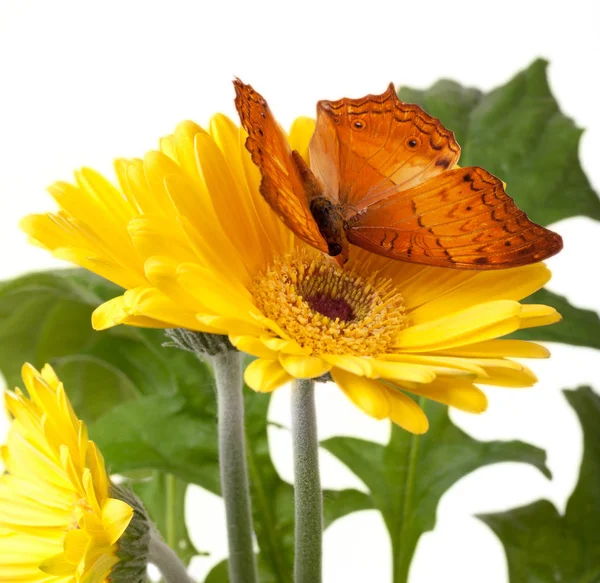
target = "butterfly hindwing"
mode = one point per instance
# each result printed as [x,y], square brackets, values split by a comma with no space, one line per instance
[285,176]
[462,218]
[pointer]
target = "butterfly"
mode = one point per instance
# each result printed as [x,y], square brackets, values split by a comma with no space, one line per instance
[383,176]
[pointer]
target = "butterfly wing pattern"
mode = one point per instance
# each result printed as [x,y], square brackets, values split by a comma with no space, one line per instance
[461,218]
[363,149]
[285,176]
[389,169]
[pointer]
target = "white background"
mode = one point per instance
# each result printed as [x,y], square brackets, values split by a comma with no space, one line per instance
[84,82]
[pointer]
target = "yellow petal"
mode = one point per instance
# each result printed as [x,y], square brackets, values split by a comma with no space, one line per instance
[57,566]
[240,224]
[98,569]
[402,371]
[499,348]
[475,324]
[116,516]
[265,376]
[162,273]
[300,134]
[144,307]
[49,376]
[223,325]
[252,345]
[151,236]
[405,412]
[367,394]
[109,314]
[304,367]
[211,289]
[150,302]
[95,462]
[508,377]
[227,135]
[156,168]
[450,391]
[105,195]
[287,346]
[438,364]
[182,151]
[538,315]
[357,365]
[507,284]
[420,284]
[75,545]
[103,266]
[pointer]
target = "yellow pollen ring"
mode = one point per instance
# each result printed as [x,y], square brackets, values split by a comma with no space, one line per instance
[328,309]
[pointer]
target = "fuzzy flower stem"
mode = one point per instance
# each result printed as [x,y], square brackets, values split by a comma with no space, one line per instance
[166,560]
[307,485]
[232,461]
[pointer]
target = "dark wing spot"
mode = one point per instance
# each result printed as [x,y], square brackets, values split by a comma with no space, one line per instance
[467,178]
[443,163]
[507,243]
[482,261]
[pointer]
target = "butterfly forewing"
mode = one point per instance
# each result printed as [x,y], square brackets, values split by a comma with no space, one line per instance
[363,149]
[462,218]
[283,183]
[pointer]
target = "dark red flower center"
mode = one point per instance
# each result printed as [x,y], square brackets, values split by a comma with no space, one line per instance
[331,307]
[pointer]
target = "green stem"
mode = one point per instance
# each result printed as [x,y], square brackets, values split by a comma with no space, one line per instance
[164,557]
[307,485]
[232,462]
[170,511]
[403,557]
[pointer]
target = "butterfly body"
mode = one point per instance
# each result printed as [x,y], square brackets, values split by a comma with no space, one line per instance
[383,176]
[331,225]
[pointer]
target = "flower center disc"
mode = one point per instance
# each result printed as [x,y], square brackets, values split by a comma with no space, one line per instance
[327,308]
[331,307]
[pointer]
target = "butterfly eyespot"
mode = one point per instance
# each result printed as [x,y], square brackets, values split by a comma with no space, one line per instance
[413,143]
[358,125]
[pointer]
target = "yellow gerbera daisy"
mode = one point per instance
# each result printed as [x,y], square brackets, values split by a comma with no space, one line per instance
[195,245]
[58,523]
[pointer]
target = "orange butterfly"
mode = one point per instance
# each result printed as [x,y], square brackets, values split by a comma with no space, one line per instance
[383,176]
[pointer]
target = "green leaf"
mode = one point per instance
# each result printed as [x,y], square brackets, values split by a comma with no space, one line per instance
[541,545]
[163,495]
[175,432]
[518,133]
[162,433]
[408,477]
[46,317]
[219,573]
